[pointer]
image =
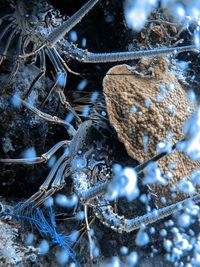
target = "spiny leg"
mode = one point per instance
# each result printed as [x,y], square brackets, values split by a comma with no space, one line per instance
[60,72]
[60,91]
[26,43]
[84,231]
[5,17]
[89,57]
[41,73]
[143,165]
[9,40]
[18,60]
[45,116]
[43,188]
[5,30]
[120,224]
[64,64]
[43,158]
[57,184]
[87,195]
[2,34]
[66,104]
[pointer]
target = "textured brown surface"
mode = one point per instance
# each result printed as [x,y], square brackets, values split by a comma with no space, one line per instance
[124,91]
[125,87]
[183,168]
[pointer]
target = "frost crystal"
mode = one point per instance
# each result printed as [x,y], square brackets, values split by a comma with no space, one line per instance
[62,257]
[167,245]
[164,146]
[124,250]
[61,79]
[184,220]
[195,177]
[197,38]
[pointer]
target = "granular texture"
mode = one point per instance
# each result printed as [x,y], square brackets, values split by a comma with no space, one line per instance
[141,105]
[147,105]
[175,167]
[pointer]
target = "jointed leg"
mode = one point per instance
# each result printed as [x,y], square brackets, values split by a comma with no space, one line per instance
[45,116]
[2,34]
[57,184]
[5,31]
[9,40]
[44,157]
[19,51]
[120,224]
[87,195]
[66,104]
[64,28]
[61,76]
[142,166]
[5,17]
[44,187]
[40,75]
